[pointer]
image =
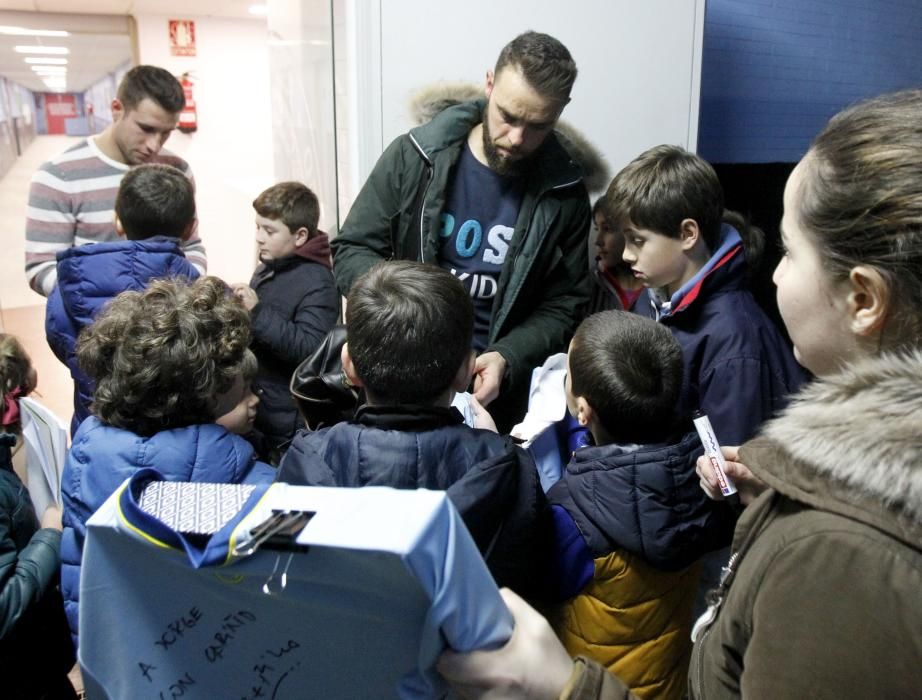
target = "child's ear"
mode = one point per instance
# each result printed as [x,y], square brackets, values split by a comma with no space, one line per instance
[187,231]
[119,229]
[868,300]
[349,368]
[689,233]
[301,236]
[584,412]
[465,372]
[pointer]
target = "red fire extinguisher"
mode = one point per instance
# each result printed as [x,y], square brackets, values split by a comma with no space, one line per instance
[188,117]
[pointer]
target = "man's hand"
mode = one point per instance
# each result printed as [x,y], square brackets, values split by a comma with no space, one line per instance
[748,485]
[489,370]
[246,294]
[533,664]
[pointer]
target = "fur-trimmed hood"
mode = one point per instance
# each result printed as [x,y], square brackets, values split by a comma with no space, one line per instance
[432,99]
[852,443]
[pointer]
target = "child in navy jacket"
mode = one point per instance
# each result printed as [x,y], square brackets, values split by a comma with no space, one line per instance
[292,300]
[689,253]
[409,345]
[155,213]
[631,521]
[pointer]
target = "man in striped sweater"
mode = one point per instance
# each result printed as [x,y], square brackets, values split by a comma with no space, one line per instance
[72,197]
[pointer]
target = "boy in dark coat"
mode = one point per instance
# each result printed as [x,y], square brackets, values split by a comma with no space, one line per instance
[292,300]
[409,346]
[691,255]
[155,214]
[631,521]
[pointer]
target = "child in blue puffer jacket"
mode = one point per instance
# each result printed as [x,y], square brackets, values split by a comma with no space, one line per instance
[154,213]
[166,363]
[409,328]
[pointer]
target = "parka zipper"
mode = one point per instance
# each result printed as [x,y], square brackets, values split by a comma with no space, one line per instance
[430,170]
[727,574]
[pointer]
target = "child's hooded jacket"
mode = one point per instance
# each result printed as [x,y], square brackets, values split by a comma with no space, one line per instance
[631,523]
[89,277]
[739,369]
[103,456]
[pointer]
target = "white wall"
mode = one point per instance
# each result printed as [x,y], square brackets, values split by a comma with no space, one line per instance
[638,86]
[639,62]
[639,68]
[303,105]
[231,153]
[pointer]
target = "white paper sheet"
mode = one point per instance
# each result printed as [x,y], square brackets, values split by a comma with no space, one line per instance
[45,437]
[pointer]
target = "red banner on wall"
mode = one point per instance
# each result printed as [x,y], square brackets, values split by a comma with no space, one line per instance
[182,37]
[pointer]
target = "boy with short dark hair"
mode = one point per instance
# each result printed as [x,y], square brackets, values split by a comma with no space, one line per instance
[630,519]
[154,213]
[292,300]
[691,255]
[409,345]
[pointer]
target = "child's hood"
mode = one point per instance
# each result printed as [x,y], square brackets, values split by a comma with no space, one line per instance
[727,262]
[317,249]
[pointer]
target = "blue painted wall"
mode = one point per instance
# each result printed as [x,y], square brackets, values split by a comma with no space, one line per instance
[774,71]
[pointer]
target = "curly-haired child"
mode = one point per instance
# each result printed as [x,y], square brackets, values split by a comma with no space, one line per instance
[35,651]
[166,363]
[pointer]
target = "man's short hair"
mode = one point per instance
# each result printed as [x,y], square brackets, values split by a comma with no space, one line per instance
[663,186]
[161,357]
[546,64]
[155,200]
[153,83]
[409,328]
[629,369]
[292,203]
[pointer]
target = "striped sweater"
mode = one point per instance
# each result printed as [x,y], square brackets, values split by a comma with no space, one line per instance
[72,203]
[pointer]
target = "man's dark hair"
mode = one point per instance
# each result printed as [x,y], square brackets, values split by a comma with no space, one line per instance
[153,83]
[629,369]
[663,186]
[409,328]
[292,203]
[155,200]
[546,64]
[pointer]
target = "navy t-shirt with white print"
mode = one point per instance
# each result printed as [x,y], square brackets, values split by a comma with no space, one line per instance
[477,225]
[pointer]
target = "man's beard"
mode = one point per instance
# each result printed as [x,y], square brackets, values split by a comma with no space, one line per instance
[507,167]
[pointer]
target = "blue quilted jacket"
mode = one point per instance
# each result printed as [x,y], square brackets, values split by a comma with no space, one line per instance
[739,369]
[91,275]
[102,457]
[492,482]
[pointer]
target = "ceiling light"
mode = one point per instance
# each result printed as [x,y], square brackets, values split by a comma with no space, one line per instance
[261,10]
[42,49]
[45,60]
[49,69]
[22,31]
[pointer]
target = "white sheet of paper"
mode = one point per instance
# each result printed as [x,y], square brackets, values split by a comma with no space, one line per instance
[45,437]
